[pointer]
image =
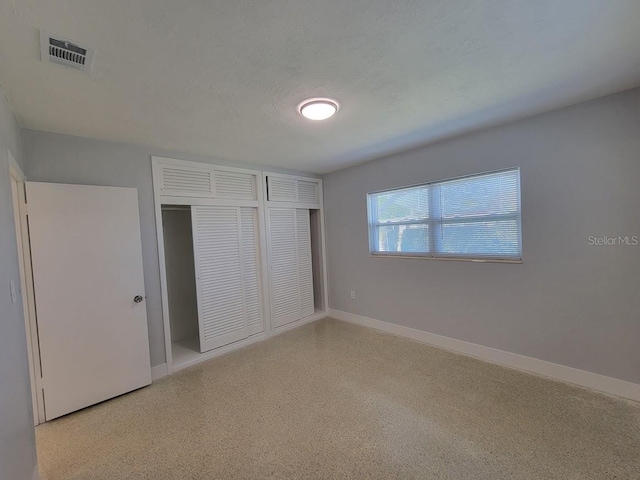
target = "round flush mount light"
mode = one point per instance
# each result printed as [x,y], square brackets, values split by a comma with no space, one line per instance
[318,108]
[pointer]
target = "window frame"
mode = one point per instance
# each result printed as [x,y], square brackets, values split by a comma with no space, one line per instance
[439,222]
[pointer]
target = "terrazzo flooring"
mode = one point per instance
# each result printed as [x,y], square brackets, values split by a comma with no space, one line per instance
[333,400]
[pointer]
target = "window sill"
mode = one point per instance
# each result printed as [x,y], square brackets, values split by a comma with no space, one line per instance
[455,259]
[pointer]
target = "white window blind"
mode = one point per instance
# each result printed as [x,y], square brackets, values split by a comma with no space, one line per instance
[476,217]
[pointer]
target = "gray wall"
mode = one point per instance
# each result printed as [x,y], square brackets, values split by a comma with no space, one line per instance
[51,157]
[17,441]
[568,302]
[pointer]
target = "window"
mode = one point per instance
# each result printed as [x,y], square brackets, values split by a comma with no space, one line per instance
[475,217]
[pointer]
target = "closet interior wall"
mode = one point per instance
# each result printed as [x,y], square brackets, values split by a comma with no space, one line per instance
[317,258]
[181,283]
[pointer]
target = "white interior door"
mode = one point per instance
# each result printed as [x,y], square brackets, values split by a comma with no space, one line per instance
[227,274]
[87,272]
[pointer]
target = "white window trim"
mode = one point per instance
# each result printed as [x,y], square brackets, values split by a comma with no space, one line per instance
[439,256]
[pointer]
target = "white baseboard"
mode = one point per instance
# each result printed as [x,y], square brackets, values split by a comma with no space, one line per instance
[298,323]
[575,376]
[203,357]
[36,474]
[240,344]
[158,371]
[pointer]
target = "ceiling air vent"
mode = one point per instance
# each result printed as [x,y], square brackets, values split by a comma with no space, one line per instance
[65,52]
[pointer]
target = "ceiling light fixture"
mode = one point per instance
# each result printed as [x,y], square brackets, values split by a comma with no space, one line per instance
[318,108]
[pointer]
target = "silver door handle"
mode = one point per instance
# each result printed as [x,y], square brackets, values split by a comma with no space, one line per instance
[138,299]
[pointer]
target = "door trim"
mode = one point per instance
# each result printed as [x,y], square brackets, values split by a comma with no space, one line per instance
[18,178]
[160,200]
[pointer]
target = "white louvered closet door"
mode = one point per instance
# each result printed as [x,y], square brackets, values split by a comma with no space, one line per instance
[290,257]
[251,269]
[227,278]
[305,270]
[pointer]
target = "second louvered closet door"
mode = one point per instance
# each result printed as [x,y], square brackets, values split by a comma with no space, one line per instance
[227,274]
[291,273]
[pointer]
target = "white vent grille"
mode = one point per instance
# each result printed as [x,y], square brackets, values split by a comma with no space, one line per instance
[288,189]
[282,189]
[186,182]
[235,185]
[307,192]
[65,52]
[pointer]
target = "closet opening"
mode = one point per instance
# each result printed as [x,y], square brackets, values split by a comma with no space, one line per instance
[317,260]
[181,282]
[213,279]
[242,256]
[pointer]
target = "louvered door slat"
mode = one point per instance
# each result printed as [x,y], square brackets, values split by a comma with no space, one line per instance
[282,189]
[235,185]
[288,189]
[305,275]
[219,275]
[291,270]
[251,267]
[186,182]
[308,191]
[285,292]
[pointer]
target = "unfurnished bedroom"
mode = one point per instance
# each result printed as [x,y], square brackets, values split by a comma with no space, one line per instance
[346,239]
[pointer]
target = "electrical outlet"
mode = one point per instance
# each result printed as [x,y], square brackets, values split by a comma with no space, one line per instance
[353,294]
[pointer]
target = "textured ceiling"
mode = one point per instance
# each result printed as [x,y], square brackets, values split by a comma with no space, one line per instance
[224,77]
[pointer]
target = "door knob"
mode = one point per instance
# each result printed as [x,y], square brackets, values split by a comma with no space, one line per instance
[138,299]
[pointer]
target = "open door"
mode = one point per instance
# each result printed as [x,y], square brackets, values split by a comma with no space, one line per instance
[89,293]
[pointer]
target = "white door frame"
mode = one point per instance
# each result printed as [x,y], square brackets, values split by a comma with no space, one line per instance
[26,287]
[160,200]
[323,247]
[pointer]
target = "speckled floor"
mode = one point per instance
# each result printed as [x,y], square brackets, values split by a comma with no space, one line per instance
[333,400]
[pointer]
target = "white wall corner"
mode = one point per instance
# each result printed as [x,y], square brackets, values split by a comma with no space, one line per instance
[595,381]
[158,371]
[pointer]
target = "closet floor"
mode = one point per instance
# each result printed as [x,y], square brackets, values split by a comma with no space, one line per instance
[185,350]
[334,400]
